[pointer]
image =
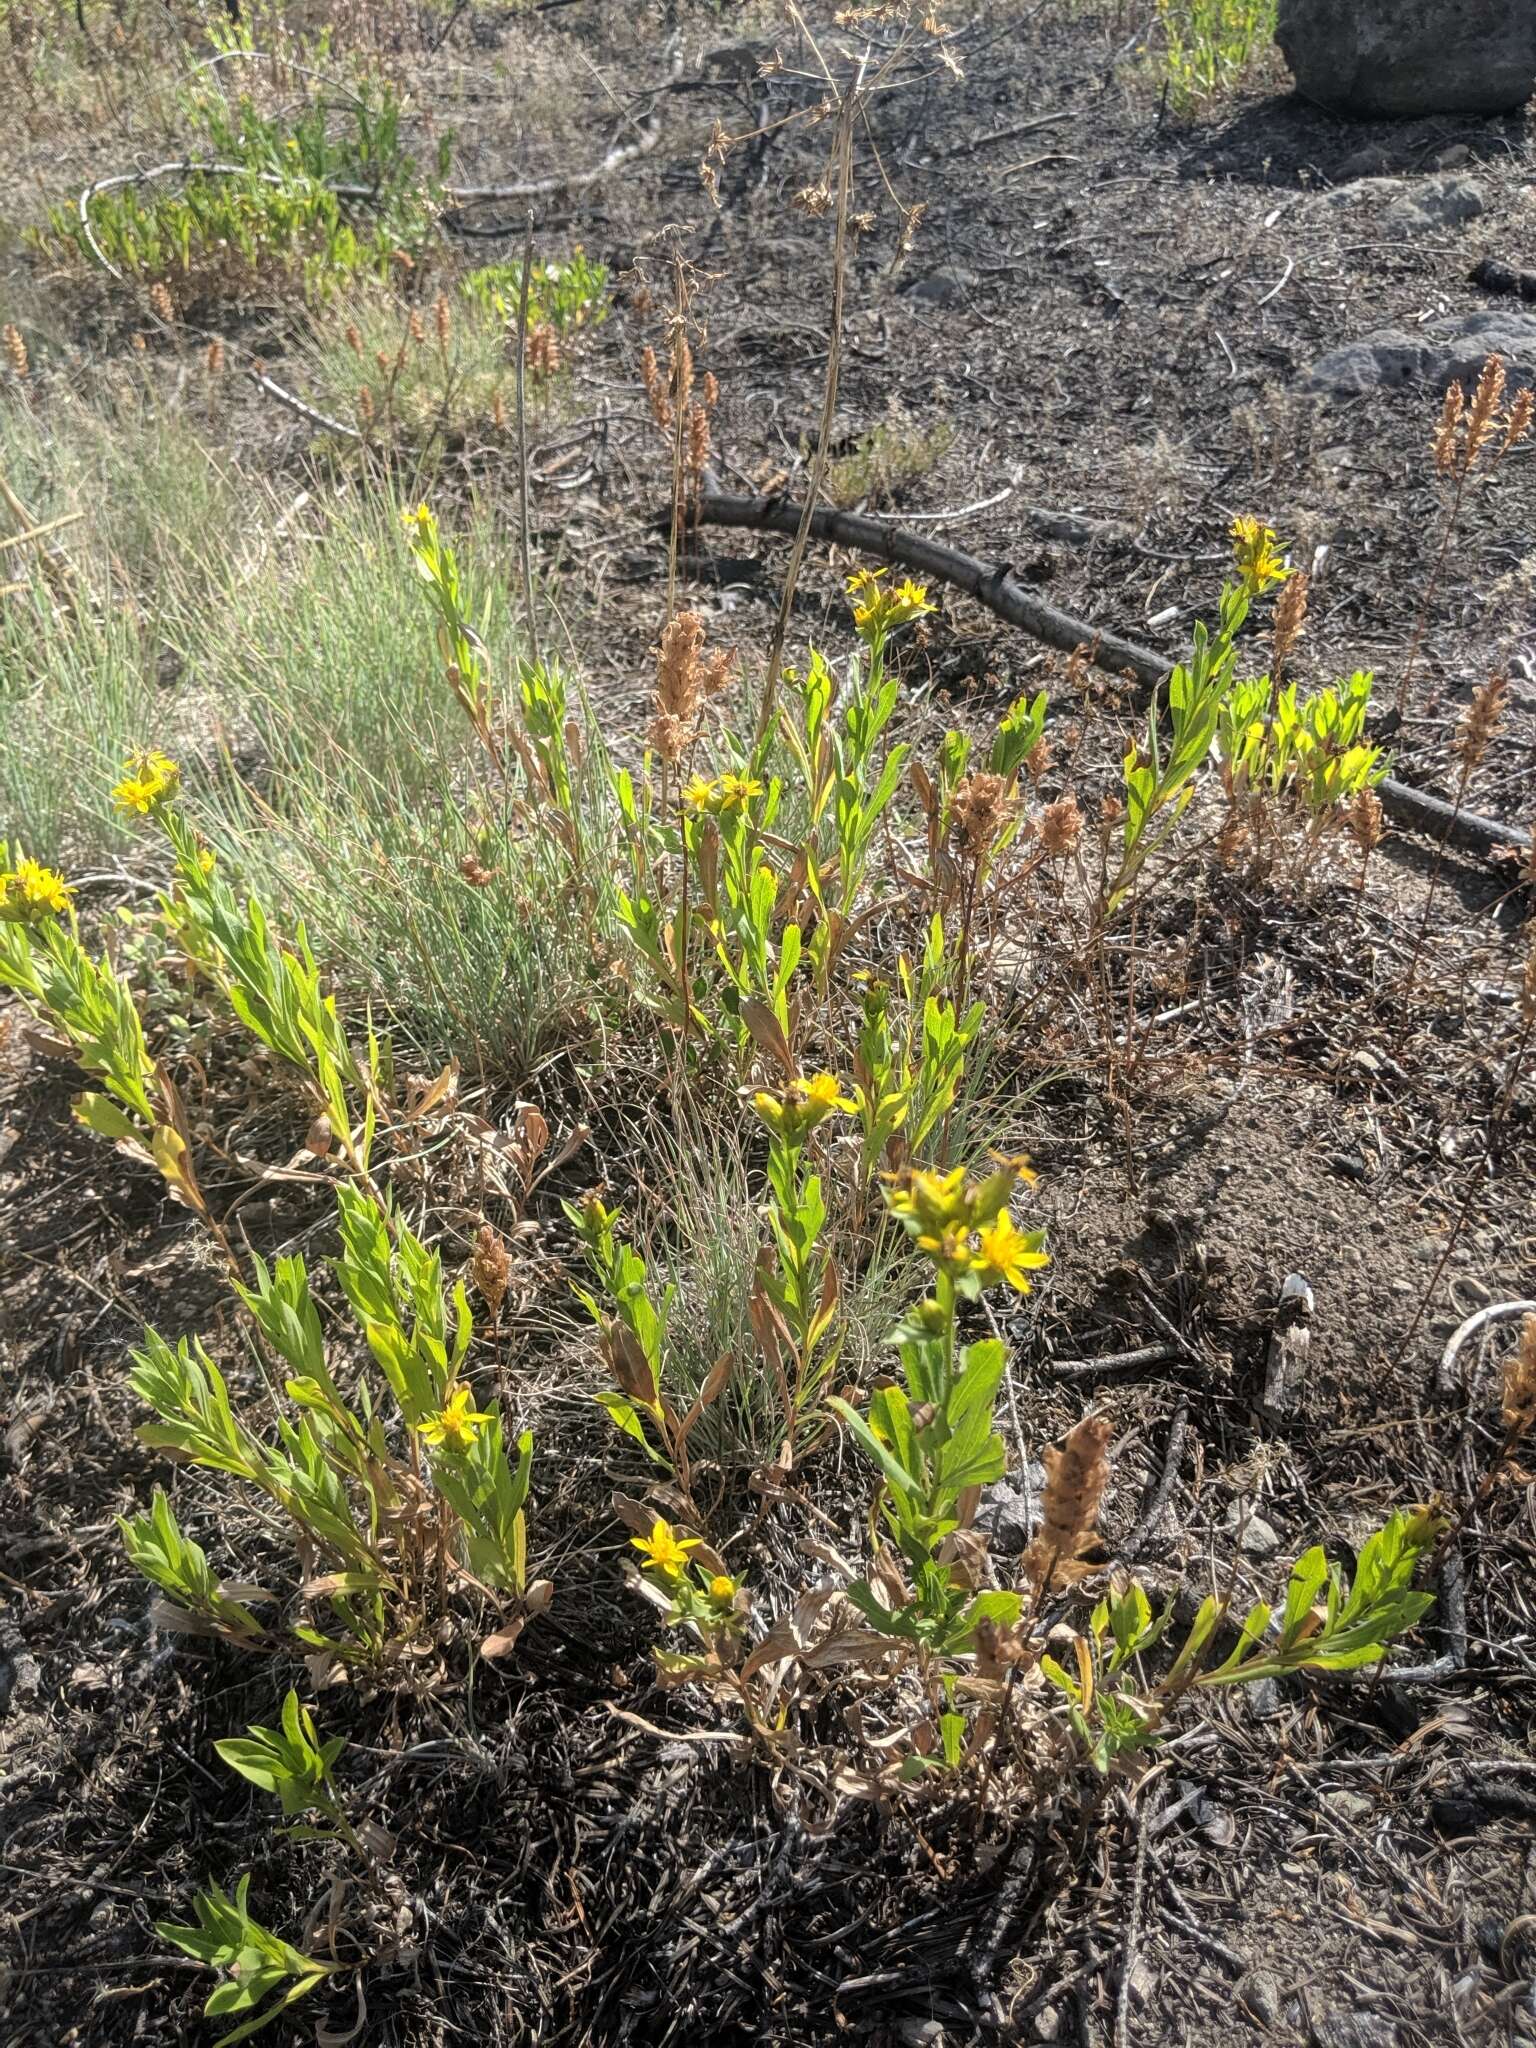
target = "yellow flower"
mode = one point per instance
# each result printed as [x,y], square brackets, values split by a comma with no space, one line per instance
[737,791]
[821,1093]
[722,1589]
[930,1199]
[1257,555]
[877,611]
[458,1425]
[149,780]
[664,1550]
[808,1101]
[724,793]
[207,860]
[1007,1253]
[949,1248]
[32,892]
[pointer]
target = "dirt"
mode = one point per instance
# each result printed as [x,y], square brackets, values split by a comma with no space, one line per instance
[1114,312]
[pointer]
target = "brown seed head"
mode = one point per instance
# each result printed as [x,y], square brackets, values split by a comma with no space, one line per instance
[655,388]
[161,304]
[682,368]
[215,357]
[982,809]
[1075,1478]
[1520,1382]
[498,413]
[542,350]
[15,349]
[1061,826]
[354,339]
[1365,821]
[442,319]
[1521,413]
[475,872]
[490,1267]
[384,360]
[1038,759]
[365,408]
[1447,441]
[679,686]
[1483,413]
[414,327]
[1290,615]
[698,441]
[1480,721]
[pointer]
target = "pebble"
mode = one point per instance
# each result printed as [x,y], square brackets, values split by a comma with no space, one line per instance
[1259,1992]
[1259,1538]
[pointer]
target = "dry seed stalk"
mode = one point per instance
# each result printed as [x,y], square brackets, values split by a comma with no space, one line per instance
[1519,1405]
[1290,616]
[15,349]
[982,808]
[1480,721]
[1076,1476]
[1061,826]
[490,1267]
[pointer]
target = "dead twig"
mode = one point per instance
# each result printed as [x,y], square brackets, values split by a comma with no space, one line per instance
[995,587]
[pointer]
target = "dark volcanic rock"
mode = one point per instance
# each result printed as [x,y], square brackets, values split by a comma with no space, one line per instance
[1375,57]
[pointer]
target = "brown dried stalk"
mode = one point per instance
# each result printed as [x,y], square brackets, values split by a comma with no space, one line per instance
[1076,1476]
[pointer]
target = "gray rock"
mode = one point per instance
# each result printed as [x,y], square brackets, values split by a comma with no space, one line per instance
[1355,2029]
[1258,1538]
[1009,1515]
[1259,1992]
[1451,347]
[1397,57]
[1437,203]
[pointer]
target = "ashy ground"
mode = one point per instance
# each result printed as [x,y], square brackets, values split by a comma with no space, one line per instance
[1106,328]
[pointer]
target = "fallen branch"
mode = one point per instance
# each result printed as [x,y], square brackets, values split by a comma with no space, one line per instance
[621,154]
[996,588]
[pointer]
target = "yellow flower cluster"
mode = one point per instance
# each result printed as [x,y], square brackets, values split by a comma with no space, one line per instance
[149,780]
[664,1550]
[808,1101]
[29,892]
[724,793]
[878,609]
[965,1227]
[458,1424]
[670,1557]
[1256,551]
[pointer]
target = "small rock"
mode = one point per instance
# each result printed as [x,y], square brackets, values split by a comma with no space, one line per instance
[1259,1992]
[1143,1982]
[1010,1515]
[1454,158]
[920,2033]
[1047,2024]
[943,288]
[1258,1538]
[1354,2030]
[1437,203]
[1371,162]
[1349,1805]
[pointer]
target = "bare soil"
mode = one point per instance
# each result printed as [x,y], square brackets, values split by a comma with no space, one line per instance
[1114,313]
